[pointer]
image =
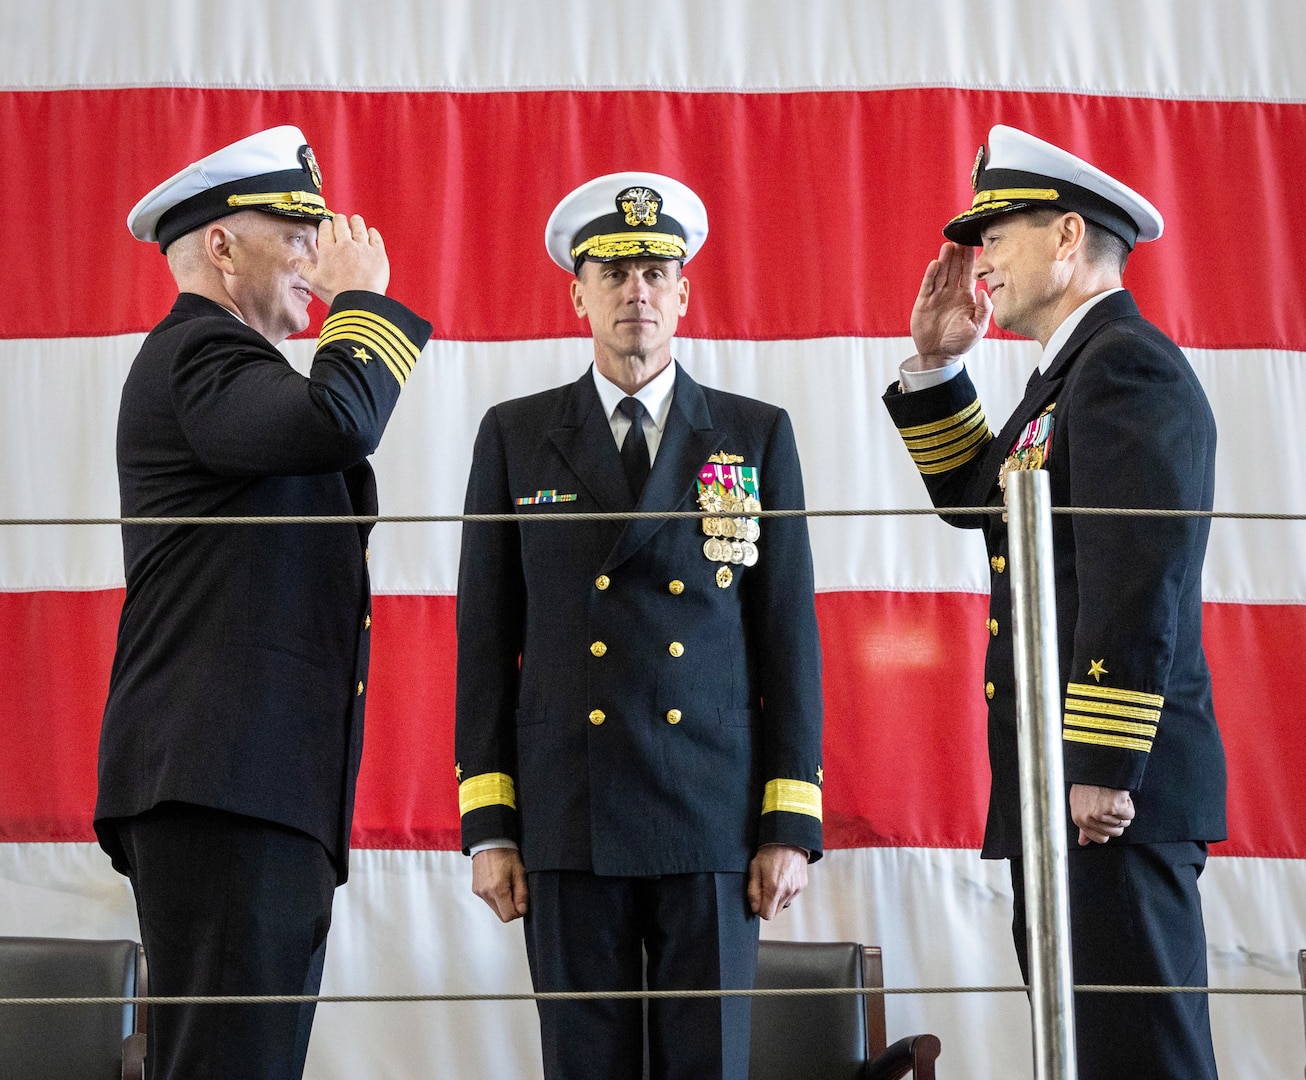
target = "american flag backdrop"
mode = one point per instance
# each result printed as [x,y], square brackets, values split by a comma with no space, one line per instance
[829,140]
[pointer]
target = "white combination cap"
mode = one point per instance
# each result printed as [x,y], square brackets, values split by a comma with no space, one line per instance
[1016,171]
[273,171]
[626,215]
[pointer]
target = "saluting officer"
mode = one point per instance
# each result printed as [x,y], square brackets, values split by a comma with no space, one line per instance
[638,702]
[234,727]
[1116,417]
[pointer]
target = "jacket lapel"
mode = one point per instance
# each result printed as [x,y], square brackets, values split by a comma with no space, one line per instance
[1116,306]
[584,439]
[687,442]
[1044,387]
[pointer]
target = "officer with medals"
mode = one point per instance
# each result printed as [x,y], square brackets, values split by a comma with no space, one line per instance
[232,735]
[1116,417]
[639,702]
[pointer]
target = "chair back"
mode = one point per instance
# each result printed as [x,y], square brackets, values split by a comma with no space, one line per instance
[60,1042]
[1301,967]
[809,1036]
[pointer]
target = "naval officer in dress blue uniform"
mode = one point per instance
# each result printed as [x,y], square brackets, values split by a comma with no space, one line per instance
[639,702]
[1116,417]
[234,726]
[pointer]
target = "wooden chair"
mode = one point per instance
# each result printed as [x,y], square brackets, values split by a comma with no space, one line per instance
[61,1042]
[839,1037]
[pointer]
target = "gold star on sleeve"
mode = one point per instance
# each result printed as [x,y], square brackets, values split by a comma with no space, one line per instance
[1097,669]
[362,354]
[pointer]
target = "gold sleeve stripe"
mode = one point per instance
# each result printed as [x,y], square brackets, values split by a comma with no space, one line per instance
[956,420]
[957,460]
[396,351]
[792,796]
[953,450]
[1106,708]
[387,355]
[1098,723]
[399,347]
[488,789]
[945,445]
[379,325]
[949,443]
[1109,693]
[1120,742]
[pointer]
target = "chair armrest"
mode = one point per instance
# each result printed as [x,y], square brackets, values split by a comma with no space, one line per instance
[912,1056]
[133,1057]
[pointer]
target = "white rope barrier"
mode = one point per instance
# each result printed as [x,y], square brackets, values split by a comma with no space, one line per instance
[638,515]
[619,995]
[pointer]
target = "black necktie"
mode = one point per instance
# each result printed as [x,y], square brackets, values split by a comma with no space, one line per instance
[634,449]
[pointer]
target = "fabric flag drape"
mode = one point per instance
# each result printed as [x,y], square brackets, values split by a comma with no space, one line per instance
[830,141]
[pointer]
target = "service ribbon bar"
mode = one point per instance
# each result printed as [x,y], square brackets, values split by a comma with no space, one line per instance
[550,496]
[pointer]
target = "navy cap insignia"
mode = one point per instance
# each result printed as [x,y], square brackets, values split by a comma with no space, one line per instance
[640,205]
[309,159]
[978,169]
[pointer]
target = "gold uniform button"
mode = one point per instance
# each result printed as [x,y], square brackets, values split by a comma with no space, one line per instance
[598,648]
[673,716]
[989,690]
[359,691]
[998,563]
[676,649]
[676,587]
[993,627]
[602,582]
[597,717]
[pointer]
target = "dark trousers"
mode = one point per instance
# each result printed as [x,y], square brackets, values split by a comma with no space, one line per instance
[585,932]
[1135,920]
[228,905]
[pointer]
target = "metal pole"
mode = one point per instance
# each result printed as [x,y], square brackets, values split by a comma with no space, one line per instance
[1042,784]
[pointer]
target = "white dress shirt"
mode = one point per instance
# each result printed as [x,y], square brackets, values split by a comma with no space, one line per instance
[655,395]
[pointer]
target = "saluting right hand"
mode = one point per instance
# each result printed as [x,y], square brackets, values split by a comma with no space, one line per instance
[949,315]
[349,256]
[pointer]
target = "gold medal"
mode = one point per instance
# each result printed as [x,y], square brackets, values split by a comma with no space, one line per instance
[724,576]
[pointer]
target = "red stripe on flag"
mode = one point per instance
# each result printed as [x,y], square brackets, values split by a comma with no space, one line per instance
[905,748]
[1259,683]
[58,647]
[825,207]
[407,792]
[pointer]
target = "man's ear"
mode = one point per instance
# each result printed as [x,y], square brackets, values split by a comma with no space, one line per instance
[577,296]
[1072,231]
[218,244]
[682,287]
